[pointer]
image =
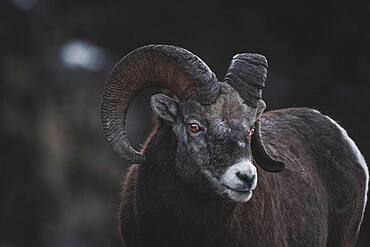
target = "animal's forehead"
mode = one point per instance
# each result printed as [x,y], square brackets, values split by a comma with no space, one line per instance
[229,105]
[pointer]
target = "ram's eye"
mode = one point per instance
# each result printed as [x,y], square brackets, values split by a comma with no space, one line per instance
[194,127]
[251,131]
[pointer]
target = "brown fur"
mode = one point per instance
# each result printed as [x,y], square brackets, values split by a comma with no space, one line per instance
[317,201]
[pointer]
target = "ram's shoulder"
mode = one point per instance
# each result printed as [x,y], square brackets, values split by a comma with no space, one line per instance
[129,184]
[298,120]
[128,206]
[293,114]
[299,132]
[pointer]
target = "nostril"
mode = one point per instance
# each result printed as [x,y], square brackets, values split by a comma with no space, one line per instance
[247,178]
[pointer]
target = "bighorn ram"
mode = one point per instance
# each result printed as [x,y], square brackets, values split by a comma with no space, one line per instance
[192,183]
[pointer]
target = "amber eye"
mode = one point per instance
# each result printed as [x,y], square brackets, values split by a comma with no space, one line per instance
[194,127]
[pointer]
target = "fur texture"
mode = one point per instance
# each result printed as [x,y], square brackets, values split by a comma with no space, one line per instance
[317,201]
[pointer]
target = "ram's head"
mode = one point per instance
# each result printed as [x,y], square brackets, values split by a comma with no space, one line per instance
[216,123]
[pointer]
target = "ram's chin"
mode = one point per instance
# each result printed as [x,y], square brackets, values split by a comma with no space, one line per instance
[238,196]
[226,192]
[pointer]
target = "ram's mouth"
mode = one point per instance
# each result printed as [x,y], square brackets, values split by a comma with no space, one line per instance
[238,190]
[233,194]
[237,194]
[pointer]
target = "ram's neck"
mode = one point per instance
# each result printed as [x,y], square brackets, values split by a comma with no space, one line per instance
[168,211]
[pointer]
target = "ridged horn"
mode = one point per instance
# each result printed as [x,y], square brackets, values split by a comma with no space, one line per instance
[247,74]
[171,67]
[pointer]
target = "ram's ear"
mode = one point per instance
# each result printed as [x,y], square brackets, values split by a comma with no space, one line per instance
[164,107]
[261,106]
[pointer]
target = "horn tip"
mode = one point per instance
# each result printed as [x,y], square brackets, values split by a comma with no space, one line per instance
[135,157]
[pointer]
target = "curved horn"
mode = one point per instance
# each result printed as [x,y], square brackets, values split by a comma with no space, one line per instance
[177,69]
[260,155]
[247,74]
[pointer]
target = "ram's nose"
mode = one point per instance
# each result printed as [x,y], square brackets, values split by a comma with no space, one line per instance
[248,178]
[240,177]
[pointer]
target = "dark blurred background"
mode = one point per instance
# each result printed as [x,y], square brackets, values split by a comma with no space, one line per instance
[59,178]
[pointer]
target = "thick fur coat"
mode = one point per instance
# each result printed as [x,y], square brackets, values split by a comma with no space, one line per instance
[317,201]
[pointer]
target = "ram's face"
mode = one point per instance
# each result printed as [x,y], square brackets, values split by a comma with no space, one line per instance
[211,122]
[213,150]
